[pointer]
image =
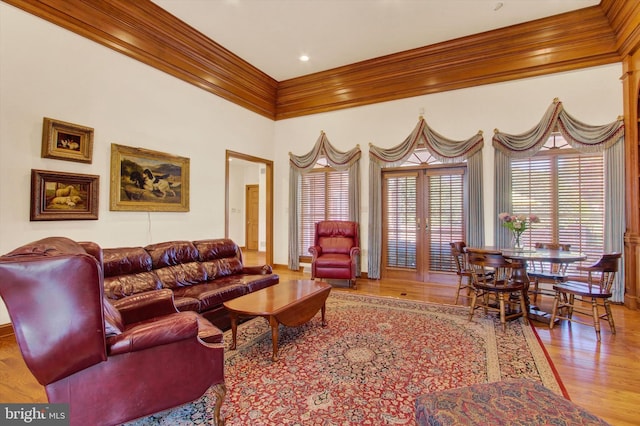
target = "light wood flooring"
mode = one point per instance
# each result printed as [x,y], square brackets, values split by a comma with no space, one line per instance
[602,377]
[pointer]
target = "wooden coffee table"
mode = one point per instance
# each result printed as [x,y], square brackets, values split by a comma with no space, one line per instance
[289,303]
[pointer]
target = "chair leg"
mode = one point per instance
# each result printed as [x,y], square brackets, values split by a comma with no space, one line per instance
[554,310]
[472,307]
[459,288]
[503,319]
[596,317]
[535,290]
[523,307]
[607,308]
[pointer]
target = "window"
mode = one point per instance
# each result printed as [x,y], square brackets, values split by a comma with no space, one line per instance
[324,195]
[566,190]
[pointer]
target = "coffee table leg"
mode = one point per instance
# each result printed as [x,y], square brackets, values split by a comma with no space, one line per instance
[273,322]
[323,310]
[234,330]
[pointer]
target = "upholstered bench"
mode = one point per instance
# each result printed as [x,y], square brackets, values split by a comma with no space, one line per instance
[509,402]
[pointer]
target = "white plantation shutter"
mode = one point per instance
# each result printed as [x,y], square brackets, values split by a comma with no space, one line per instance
[399,221]
[324,196]
[446,218]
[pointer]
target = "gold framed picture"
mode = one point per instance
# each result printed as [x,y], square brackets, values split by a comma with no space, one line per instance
[66,141]
[146,180]
[63,196]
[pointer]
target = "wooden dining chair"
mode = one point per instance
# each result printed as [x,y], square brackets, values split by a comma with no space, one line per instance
[596,291]
[462,267]
[493,274]
[547,272]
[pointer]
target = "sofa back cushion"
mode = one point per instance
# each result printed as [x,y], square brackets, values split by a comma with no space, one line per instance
[220,257]
[127,271]
[176,263]
[172,253]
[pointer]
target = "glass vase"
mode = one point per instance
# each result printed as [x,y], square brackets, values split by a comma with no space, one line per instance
[516,243]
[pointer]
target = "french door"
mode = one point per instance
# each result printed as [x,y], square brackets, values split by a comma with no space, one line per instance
[422,212]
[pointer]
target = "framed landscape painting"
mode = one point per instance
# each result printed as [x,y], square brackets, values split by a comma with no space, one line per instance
[145,180]
[63,196]
[66,141]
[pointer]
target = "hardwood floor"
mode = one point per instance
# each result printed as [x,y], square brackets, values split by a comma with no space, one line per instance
[602,377]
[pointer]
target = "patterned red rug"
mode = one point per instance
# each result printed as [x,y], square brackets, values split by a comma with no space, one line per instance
[368,366]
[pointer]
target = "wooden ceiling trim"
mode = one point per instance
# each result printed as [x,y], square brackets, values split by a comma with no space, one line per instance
[148,33]
[588,37]
[560,43]
[624,17]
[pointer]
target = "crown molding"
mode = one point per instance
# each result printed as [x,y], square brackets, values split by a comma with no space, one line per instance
[587,37]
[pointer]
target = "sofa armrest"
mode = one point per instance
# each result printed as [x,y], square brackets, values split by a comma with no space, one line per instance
[354,252]
[257,270]
[143,306]
[148,334]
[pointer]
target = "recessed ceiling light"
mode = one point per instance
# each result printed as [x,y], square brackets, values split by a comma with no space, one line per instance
[304,58]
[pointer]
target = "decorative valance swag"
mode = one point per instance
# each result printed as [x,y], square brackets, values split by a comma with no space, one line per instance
[444,150]
[584,138]
[581,136]
[300,164]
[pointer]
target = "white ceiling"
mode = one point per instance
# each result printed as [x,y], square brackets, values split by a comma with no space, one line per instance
[272,34]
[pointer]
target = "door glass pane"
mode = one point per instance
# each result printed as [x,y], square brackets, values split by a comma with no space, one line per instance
[400,221]
[446,219]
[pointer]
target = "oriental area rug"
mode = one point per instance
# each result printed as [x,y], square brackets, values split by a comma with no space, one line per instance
[367,367]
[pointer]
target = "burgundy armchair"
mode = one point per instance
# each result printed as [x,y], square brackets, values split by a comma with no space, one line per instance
[110,363]
[335,251]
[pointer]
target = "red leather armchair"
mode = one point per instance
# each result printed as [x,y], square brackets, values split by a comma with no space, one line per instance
[110,363]
[335,250]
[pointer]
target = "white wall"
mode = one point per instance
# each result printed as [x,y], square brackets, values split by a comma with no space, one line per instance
[46,71]
[593,95]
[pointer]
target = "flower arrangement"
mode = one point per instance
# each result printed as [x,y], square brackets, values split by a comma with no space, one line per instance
[517,224]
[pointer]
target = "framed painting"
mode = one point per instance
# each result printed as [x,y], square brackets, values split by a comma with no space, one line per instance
[145,180]
[63,196]
[66,141]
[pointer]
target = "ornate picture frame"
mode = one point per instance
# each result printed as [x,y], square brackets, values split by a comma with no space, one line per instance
[66,141]
[146,180]
[63,196]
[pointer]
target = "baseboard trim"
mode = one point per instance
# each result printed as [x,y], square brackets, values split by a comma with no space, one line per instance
[6,330]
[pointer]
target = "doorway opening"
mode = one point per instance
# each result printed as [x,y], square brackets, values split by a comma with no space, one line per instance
[249,221]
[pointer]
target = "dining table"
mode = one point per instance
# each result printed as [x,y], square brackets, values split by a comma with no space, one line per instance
[537,255]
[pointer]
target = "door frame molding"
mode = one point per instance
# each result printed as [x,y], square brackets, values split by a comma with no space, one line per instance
[268,195]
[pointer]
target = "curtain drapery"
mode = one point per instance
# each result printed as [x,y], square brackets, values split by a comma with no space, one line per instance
[300,164]
[607,139]
[444,150]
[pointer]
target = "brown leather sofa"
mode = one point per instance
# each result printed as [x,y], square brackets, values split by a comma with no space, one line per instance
[111,362]
[201,274]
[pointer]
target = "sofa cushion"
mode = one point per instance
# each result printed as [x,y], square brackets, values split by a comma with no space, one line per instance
[172,253]
[222,267]
[125,285]
[182,275]
[212,293]
[125,260]
[217,249]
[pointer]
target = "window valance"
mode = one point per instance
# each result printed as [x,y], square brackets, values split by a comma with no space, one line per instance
[337,159]
[581,136]
[443,149]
